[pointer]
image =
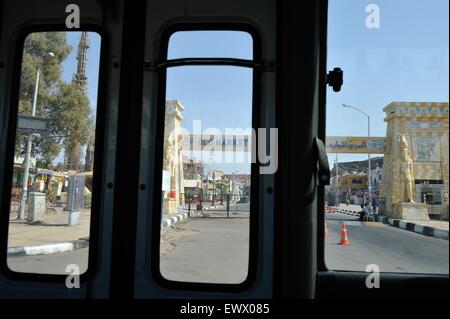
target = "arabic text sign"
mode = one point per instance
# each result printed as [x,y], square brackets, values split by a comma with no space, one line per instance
[217,143]
[356,145]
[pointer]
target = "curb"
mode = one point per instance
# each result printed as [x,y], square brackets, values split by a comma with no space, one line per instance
[173,220]
[344,211]
[18,251]
[419,229]
[214,207]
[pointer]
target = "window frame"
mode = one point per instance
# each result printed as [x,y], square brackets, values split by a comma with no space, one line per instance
[100,125]
[161,69]
[329,280]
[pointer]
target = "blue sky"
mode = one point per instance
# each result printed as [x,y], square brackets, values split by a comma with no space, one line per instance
[70,67]
[219,96]
[406,59]
[70,64]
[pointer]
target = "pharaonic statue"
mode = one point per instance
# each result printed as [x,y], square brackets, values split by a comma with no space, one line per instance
[168,157]
[406,174]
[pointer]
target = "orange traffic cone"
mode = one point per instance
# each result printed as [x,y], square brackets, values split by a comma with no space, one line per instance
[326,230]
[344,238]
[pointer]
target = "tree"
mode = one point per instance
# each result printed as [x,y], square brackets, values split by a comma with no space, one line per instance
[224,188]
[73,120]
[36,46]
[64,104]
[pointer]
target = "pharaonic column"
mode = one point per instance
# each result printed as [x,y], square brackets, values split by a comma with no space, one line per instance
[173,177]
[416,155]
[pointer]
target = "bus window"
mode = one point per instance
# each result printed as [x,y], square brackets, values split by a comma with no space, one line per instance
[52,176]
[388,128]
[206,164]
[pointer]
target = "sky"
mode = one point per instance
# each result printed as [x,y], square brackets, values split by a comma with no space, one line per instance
[70,64]
[69,67]
[405,59]
[219,96]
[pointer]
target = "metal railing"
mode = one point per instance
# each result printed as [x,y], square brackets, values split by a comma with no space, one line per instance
[211,202]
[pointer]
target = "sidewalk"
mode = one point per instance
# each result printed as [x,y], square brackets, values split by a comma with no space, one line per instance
[182,214]
[171,219]
[53,234]
[432,228]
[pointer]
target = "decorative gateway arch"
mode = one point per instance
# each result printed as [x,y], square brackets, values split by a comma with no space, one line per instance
[416,131]
[178,140]
[416,158]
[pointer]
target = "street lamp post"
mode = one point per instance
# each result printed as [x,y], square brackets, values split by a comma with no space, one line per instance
[235,192]
[369,173]
[23,198]
[214,189]
[337,181]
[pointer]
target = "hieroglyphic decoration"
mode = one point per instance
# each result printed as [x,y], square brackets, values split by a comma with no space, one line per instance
[423,125]
[426,149]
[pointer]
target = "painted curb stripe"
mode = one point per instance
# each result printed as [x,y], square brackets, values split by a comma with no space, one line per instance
[47,249]
[428,231]
[410,226]
[417,228]
[440,233]
[16,251]
[172,220]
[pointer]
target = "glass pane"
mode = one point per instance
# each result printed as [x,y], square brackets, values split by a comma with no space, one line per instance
[50,211]
[207,187]
[391,211]
[210,44]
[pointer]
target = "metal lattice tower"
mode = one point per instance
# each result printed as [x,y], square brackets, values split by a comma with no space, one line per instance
[80,77]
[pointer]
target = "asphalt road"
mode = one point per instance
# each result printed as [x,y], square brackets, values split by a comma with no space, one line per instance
[392,249]
[51,263]
[217,251]
[206,250]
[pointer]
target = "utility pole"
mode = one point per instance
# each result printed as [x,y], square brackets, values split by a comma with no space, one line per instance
[369,173]
[337,181]
[23,197]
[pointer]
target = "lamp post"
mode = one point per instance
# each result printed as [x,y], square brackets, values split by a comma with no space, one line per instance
[214,188]
[23,198]
[369,184]
[337,181]
[235,191]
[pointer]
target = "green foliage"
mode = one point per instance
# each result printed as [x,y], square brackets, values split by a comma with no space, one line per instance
[223,188]
[73,115]
[49,196]
[62,103]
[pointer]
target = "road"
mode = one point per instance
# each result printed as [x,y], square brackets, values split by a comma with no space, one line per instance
[392,249]
[204,250]
[51,263]
[216,250]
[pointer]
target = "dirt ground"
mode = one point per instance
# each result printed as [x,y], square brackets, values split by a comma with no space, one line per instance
[173,234]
